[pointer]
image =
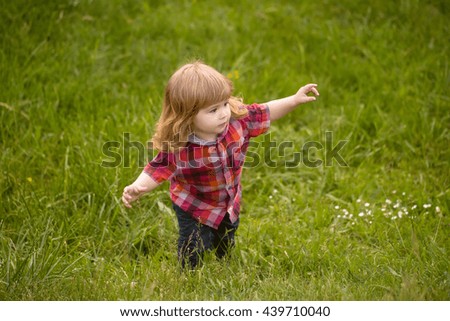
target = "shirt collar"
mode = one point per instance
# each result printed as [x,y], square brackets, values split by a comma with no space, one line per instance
[197,140]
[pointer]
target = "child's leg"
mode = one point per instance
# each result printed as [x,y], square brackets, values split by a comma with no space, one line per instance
[194,239]
[224,236]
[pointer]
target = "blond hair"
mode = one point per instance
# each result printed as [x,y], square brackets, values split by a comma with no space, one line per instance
[192,87]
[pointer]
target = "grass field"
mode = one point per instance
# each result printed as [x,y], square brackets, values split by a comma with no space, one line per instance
[77,74]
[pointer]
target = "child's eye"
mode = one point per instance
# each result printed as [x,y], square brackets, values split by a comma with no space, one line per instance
[213,110]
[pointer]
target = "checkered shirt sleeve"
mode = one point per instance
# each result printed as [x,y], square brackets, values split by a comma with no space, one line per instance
[162,167]
[258,120]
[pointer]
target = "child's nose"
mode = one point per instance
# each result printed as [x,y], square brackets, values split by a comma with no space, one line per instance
[222,114]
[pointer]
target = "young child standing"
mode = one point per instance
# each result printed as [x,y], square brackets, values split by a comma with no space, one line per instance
[202,137]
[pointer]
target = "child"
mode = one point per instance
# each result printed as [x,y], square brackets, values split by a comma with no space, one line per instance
[202,137]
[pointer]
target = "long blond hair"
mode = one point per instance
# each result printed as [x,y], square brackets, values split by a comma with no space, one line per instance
[192,87]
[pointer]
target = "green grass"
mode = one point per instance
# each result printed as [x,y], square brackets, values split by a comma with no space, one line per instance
[77,74]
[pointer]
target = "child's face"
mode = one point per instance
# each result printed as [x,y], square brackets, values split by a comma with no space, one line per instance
[211,121]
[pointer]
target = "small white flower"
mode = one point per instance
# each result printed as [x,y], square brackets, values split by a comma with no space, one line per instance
[369,212]
[383,209]
[394,191]
[339,216]
[388,201]
[336,207]
[275,190]
[345,211]
[400,213]
[361,214]
[367,204]
[351,215]
[353,223]
[270,196]
[393,217]
[403,193]
[358,201]
[438,210]
[370,222]
[414,207]
[426,205]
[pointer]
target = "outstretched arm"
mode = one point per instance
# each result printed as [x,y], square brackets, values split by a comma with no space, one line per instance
[143,184]
[280,107]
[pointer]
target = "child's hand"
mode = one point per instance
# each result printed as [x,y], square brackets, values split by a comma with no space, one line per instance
[280,107]
[302,97]
[132,193]
[143,184]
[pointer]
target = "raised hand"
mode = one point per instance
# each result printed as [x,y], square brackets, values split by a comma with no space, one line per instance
[302,94]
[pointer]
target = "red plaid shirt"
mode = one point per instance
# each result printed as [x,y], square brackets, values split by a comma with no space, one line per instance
[205,177]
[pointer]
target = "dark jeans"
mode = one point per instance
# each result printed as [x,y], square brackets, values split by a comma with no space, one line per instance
[196,238]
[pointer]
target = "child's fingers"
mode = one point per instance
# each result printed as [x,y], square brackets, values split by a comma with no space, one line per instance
[310,88]
[131,193]
[125,202]
[307,89]
[126,190]
[130,190]
[127,197]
